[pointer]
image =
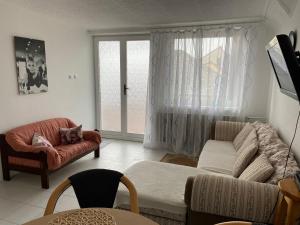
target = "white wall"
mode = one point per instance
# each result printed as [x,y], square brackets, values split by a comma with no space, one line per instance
[259,82]
[283,110]
[68,50]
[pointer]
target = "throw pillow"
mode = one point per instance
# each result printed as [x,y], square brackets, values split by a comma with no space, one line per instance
[250,139]
[259,170]
[277,155]
[245,154]
[71,135]
[265,135]
[242,135]
[276,151]
[39,140]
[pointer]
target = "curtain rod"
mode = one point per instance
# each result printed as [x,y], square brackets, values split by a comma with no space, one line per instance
[147,29]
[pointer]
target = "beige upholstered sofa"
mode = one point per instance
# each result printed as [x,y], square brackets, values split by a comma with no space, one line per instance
[178,195]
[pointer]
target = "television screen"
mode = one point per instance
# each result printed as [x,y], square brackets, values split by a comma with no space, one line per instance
[284,63]
[281,69]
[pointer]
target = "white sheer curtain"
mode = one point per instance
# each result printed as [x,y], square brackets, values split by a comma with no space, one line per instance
[197,75]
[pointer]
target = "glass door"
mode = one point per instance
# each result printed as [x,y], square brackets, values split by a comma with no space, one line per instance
[109,68]
[122,67]
[137,76]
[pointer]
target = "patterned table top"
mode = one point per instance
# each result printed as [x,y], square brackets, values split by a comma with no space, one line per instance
[93,216]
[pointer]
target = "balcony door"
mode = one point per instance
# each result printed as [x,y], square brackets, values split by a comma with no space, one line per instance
[122,68]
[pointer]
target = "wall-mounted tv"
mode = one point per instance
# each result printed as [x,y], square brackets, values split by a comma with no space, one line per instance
[285,64]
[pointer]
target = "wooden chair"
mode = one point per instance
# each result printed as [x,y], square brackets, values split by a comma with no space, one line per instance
[87,186]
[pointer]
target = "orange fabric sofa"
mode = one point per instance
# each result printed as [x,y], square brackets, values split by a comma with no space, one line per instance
[17,153]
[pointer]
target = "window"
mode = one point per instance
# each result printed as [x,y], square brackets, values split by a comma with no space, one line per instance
[212,53]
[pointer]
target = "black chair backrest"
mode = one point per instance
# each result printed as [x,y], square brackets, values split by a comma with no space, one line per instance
[96,188]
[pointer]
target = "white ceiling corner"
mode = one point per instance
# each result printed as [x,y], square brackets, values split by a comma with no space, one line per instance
[288,6]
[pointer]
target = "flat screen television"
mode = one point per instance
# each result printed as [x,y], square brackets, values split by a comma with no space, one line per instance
[285,64]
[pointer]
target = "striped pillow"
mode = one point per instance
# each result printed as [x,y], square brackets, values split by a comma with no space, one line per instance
[259,170]
[245,154]
[242,135]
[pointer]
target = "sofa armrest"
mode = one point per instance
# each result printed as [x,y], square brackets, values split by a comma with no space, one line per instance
[92,136]
[227,130]
[188,191]
[17,144]
[231,197]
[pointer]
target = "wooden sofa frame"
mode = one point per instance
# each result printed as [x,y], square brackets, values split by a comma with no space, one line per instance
[43,171]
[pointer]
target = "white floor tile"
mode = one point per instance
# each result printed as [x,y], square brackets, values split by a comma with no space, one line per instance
[24,214]
[22,199]
[40,199]
[3,222]
[7,207]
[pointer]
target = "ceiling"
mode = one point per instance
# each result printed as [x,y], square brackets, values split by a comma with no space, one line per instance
[101,14]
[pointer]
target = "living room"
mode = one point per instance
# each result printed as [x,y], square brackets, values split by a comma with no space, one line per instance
[151,82]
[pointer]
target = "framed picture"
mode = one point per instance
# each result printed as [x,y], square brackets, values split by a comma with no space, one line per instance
[31,66]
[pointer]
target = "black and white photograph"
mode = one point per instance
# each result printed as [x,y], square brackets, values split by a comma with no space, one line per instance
[31,66]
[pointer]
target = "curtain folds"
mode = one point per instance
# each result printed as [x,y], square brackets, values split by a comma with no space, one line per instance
[197,75]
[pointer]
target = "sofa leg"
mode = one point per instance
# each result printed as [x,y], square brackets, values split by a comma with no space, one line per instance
[97,153]
[5,166]
[45,180]
[6,174]
[44,171]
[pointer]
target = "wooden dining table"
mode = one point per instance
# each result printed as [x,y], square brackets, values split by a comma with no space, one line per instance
[95,216]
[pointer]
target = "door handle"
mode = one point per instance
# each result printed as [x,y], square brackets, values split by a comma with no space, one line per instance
[125,88]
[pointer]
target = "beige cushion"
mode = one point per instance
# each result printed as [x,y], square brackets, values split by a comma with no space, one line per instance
[251,138]
[242,135]
[218,157]
[245,154]
[159,186]
[227,130]
[259,170]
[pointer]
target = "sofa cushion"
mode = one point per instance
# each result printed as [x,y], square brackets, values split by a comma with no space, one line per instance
[68,152]
[250,139]
[24,162]
[62,155]
[259,170]
[70,135]
[242,135]
[218,157]
[276,152]
[159,185]
[245,154]
[39,140]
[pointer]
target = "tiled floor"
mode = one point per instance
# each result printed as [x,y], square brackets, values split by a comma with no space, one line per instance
[22,199]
